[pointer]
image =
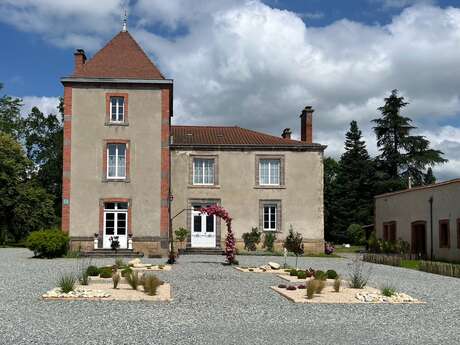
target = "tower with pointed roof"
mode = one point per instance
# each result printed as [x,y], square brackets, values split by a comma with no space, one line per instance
[116,175]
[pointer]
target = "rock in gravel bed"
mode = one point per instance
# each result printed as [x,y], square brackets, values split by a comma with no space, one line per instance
[79,292]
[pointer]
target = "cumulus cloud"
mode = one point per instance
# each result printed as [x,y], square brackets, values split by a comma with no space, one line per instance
[47,105]
[82,23]
[244,62]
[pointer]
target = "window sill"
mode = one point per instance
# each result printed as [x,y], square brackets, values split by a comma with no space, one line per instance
[108,180]
[269,187]
[116,124]
[204,186]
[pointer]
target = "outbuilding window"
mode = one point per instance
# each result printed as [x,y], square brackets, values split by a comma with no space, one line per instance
[444,234]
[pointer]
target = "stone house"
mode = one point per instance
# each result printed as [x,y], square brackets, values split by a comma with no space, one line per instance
[427,217]
[129,173]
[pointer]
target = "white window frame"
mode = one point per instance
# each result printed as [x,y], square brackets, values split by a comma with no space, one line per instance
[203,160]
[116,211]
[116,177]
[118,106]
[270,162]
[270,214]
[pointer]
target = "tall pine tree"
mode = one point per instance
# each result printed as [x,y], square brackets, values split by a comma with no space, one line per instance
[401,155]
[353,196]
[331,168]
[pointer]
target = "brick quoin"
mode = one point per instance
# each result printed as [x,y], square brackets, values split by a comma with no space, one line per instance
[165,161]
[65,221]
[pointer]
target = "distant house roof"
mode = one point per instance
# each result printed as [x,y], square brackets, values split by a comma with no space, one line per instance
[122,57]
[222,136]
[415,189]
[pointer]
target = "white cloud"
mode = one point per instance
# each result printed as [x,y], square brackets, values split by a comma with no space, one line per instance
[47,105]
[243,62]
[82,23]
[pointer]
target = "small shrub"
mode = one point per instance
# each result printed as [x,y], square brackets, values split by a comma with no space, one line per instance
[311,288]
[320,286]
[116,279]
[282,286]
[301,287]
[67,281]
[294,243]
[133,280]
[293,272]
[320,275]
[84,277]
[161,267]
[269,241]
[251,239]
[301,274]
[105,272]
[388,291]
[337,284]
[356,234]
[181,234]
[126,271]
[358,276]
[251,270]
[151,284]
[48,243]
[291,288]
[92,271]
[331,274]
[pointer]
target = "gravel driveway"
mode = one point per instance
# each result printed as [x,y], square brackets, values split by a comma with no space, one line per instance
[215,304]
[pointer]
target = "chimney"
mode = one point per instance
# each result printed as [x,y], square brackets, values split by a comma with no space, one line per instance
[80,59]
[286,133]
[306,125]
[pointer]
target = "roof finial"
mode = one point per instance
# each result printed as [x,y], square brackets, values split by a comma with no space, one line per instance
[125,22]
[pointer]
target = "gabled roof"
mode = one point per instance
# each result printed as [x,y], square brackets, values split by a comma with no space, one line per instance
[231,136]
[122,57]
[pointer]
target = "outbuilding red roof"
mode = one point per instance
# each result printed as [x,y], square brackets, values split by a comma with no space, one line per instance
[221,135]
[122,57]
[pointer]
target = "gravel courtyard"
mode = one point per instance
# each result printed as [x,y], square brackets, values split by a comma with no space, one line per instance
[215,304]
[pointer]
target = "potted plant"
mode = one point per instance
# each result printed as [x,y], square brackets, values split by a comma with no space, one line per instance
[181,236]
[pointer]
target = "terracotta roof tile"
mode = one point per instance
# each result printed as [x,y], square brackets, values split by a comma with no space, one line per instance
[209,135]
[122,57]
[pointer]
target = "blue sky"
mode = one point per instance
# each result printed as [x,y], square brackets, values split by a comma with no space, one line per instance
[256,64]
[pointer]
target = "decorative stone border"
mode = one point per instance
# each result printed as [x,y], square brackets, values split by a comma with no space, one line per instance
[345,296]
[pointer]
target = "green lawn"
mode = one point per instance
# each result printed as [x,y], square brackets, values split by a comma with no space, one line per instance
[352,249]
[412,264]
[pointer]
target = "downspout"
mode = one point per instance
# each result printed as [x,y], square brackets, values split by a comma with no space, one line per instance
[431,227]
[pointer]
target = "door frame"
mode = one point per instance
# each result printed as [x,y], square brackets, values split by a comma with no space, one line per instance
[203,202]
[413,239]
[102,213]
[203,230]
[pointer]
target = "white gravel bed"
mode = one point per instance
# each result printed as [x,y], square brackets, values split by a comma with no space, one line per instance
[215,304]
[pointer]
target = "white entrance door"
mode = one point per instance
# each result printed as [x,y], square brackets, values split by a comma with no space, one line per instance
[115,224]
[203,229]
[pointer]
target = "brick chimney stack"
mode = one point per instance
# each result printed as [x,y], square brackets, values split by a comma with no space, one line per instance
[286,133]
[80,59]
[306,125]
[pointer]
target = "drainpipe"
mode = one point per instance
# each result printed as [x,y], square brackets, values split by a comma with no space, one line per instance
[431,227]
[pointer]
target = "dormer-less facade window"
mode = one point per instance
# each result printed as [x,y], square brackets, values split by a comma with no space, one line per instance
[269,172]
[117,109]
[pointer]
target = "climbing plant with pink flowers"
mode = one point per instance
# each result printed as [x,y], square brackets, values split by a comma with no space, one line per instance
[219,211]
